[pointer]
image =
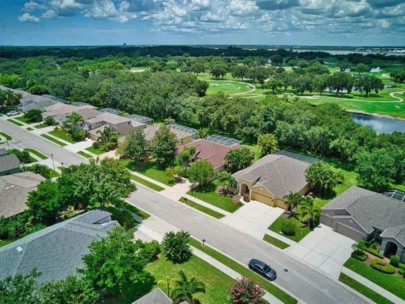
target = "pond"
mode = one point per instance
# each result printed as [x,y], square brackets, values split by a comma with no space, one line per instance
[379,124]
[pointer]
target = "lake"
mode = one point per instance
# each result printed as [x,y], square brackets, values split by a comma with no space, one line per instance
[379,124]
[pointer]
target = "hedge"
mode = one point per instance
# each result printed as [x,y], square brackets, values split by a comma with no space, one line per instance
[362,256]
[382,266]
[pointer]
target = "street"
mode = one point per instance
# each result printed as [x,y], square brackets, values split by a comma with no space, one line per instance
[303,281]
[24,139]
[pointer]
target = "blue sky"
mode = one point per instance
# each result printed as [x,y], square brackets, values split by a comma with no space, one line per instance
[288,22]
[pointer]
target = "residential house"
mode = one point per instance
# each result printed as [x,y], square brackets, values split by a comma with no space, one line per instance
[184,135]
[14,191]
[61,111]
[362,214]
[9,163]
[56,251]
[274,176]
[156,296]
[97,124]
[142,119]
[211,151]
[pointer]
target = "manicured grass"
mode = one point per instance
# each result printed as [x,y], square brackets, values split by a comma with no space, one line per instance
[29,129]
[41,126]
[59,143]
[201,208]
[37,153]
[302,230]
[136,211]
[275,242]
[23,120]
[369,293]
[63,135]
[97,151]
[146,183]
[150,169]
[209,195]
[268,286]
[394,283]
[15,122]
[84,154]
[5,242]
[6,136]
[216,282]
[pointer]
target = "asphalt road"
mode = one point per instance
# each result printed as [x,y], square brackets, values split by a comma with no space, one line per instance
[24,139]
[308,284]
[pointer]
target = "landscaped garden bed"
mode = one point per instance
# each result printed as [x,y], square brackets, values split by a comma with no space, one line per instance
[301,229]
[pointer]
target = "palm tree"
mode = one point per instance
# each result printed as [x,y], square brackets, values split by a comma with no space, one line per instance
[308,210]
[225,180]
[185,289]
[292,200]
[359,247]
[107,135]
[168,281]
[72,122]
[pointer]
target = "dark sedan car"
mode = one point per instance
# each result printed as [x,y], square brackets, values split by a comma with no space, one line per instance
[263,269]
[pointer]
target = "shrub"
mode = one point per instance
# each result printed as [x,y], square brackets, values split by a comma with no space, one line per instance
[150,251]
[124,217]
[382,266]
[359,256]
[375,252]
[244,290]
[394,260]
[23,156]
[96,145]
[49,121]
[176,246]
[289,228]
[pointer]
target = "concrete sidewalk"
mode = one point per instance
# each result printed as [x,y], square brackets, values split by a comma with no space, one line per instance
[281,238]
[154,228]
[372,286]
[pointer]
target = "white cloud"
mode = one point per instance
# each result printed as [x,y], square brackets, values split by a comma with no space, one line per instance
[26,17]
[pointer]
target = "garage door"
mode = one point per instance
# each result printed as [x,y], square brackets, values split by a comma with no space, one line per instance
[262,198]
[347,231]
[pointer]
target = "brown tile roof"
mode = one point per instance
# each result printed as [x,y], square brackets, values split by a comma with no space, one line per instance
[87,113]
[214,153]
[152,129]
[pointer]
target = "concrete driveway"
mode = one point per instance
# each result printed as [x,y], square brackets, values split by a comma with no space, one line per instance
[325,249]
[253,218]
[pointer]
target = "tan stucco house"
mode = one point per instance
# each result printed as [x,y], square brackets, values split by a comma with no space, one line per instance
[274,176]
[362,214]
[93,125]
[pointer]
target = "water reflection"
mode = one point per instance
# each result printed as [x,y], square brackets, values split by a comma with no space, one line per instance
[379,124]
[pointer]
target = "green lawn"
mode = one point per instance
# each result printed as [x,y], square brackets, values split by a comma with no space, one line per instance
[146,183]
[63,135]
[5,242]
[216,282]
[394,283]
[136,211]
[150,170]
[84,154]
[268,286]
[6,136]
[37,153]
[302,231]
[201,208]
[23,120]
[58,142]
[15,122]
[29,129]
[97,151]
[369,293]
[40,126]
[275,242]
[209,195]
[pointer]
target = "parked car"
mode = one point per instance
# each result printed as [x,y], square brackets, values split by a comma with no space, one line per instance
[263,269]
[13,113]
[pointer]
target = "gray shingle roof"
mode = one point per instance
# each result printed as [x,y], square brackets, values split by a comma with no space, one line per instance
[279,173]
[370,209]
[14,191]
[55,251]
[396,232]
[156,296]
[8,162]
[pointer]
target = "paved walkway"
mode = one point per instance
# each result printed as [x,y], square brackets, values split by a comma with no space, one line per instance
[253,218]
[80,146]
[323,248]
[154,228]
[372,286]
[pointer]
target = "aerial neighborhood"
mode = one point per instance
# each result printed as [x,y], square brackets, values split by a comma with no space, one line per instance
[204,174]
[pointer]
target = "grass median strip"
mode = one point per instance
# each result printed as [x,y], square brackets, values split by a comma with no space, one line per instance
[15,122]
[275,291]
[275,242]
[63,135]
[84,154]
[369,293]
[53,140]
[35,152]
[146,183]
[6,136]
[201,208]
